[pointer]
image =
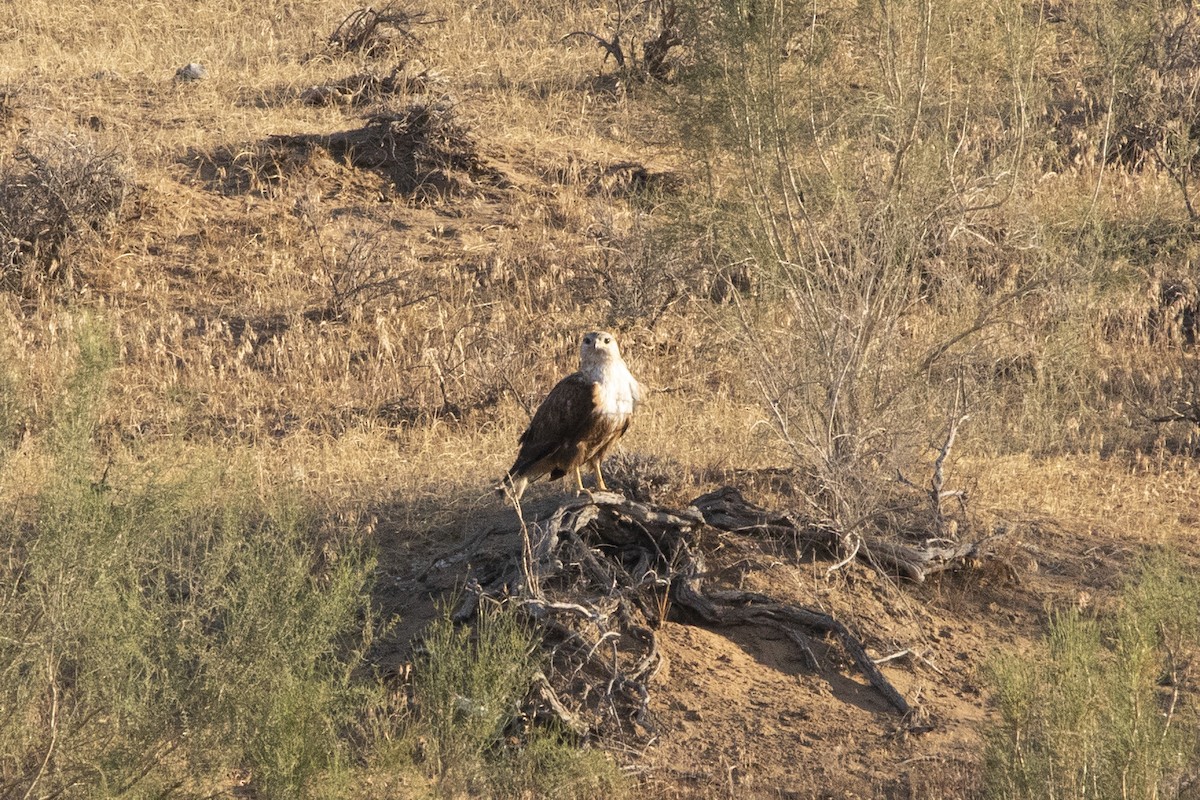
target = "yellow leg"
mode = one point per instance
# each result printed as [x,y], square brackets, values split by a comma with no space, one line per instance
[599,476]
[579,480]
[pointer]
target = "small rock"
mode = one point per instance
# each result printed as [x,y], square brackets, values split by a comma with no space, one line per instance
[191,72]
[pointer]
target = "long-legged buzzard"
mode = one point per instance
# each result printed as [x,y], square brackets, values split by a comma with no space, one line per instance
[581,419]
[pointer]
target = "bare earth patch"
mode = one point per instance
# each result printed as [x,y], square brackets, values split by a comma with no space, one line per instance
[741,711]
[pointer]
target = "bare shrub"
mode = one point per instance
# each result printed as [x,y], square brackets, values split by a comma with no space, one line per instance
[859,185]
[375,32]
[56,193]
[355,273]
[655,22]
[642,273]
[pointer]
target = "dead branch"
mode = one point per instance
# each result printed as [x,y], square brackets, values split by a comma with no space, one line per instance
[727,510]
[370,31]
[599,572]
[936,493]
[656,48]
[548,699]
[612,48]
[989,315]
[1183,412]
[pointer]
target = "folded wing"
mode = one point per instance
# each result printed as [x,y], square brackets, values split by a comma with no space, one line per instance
[568,429]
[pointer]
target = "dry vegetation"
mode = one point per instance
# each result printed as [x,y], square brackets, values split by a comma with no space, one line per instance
[267,339]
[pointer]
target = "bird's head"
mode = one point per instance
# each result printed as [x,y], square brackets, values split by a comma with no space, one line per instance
[598,347]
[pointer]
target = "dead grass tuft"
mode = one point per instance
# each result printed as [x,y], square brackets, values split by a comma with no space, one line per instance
[375,32]
[57,193]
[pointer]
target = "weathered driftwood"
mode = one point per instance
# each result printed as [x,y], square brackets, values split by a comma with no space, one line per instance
[599,572]
[727,510]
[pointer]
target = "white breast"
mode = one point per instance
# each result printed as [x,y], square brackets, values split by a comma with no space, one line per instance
[619,394]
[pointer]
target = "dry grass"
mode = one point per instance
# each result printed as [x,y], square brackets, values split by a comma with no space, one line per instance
[404,403]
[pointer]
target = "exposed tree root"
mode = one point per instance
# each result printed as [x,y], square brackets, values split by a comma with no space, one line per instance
[727,510]
[600,573]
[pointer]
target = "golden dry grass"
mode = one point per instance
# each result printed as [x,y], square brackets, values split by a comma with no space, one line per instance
[405,410]
[204,290]
[190,284]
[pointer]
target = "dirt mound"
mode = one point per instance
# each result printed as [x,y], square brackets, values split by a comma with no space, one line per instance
[717,644]
[422,151]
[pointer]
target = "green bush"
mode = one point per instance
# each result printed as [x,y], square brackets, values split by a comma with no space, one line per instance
[550,765]
[159,634]
[1095,713]
[469,686]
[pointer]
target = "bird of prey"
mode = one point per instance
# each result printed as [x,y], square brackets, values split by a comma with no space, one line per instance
[581,419]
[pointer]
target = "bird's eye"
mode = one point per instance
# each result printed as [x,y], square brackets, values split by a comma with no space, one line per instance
[607,339]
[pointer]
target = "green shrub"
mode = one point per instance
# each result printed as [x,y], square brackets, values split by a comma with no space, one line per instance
[1096,714]
[159,634]
[469,686]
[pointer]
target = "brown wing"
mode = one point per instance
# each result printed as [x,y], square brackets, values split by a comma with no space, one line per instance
[561,421]
[605,436]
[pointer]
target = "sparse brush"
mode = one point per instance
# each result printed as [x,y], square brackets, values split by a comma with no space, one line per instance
[550,765]
[56,192]
[12,414]
[641,271]
[1096,713]
[410,77]
[374,32]
[10,107]
[1138,83]
[655,22]
[845,243]
[422,148]
[358,277]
